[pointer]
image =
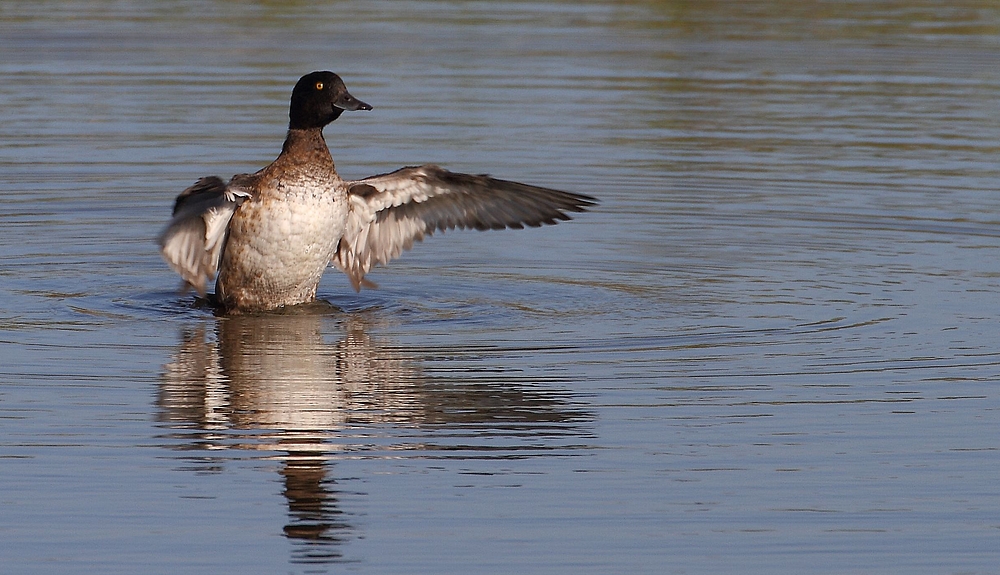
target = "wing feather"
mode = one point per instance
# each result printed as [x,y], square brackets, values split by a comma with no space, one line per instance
[390,212]
[192,242]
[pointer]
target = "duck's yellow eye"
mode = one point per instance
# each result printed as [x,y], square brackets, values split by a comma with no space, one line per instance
[319,85]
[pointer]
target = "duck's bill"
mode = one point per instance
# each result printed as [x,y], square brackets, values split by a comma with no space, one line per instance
[350,103]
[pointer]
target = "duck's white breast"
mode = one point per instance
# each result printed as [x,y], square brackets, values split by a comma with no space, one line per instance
[280,243]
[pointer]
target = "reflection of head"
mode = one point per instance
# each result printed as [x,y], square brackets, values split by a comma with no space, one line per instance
[314,518]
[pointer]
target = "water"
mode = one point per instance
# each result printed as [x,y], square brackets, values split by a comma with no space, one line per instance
[771,349]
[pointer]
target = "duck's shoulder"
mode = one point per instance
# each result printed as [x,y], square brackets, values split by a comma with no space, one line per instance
[211,191]
[248,184]
[203,189]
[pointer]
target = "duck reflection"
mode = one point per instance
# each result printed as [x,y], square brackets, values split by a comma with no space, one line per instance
[314,518]
[298,384]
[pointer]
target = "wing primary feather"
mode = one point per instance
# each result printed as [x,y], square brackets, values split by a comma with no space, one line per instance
[390,212]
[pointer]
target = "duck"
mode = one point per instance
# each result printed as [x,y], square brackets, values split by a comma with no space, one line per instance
[266,238]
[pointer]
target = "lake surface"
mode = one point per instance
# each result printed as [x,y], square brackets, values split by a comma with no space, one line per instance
[772,348]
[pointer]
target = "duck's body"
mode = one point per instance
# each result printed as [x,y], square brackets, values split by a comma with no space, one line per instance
[286,233]
[271,234]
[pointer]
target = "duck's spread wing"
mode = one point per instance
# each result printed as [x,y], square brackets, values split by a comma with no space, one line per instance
[389,212]
[192,242]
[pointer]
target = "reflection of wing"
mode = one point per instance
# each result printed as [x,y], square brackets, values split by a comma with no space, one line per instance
[192,241]
[391,211]
[282,373]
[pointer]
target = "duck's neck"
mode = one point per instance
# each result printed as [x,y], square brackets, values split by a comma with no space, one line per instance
[307,148]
